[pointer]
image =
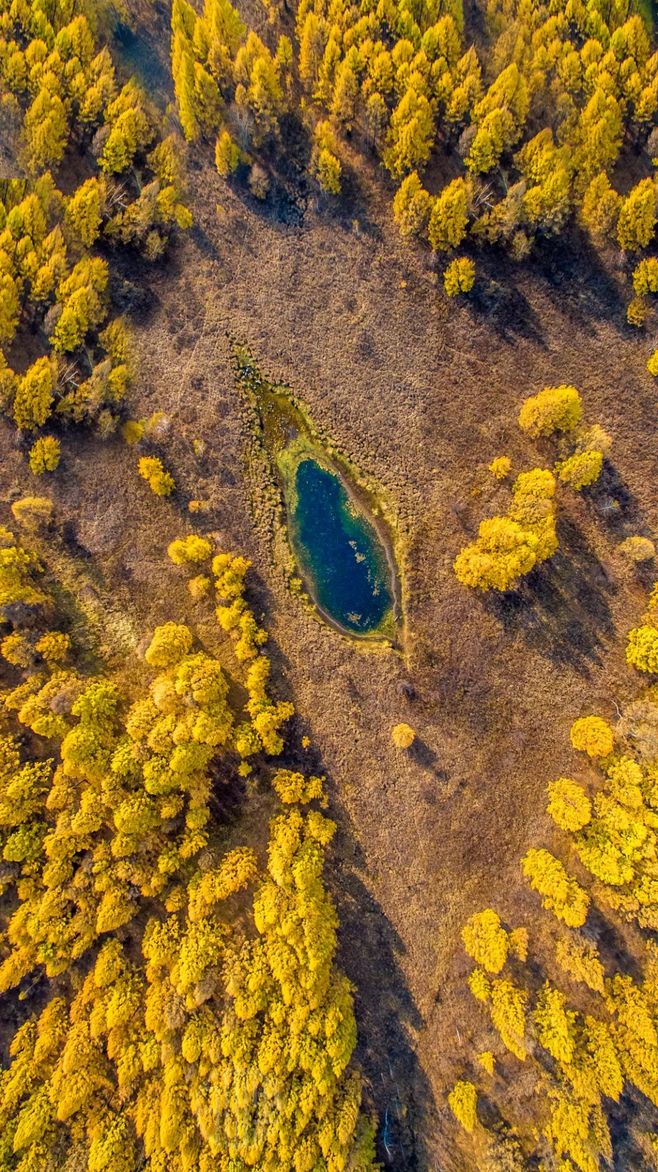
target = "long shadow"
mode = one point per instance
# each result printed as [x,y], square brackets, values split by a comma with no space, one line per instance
[562,608]
[628,1154]
[397,1089]
[370,948]
[615,505]
[506,309]
[568,267]
[584,289]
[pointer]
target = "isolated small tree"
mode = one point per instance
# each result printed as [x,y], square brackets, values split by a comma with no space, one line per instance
[652,364]
[402,736]
[553,409]
[592,735]
[133,431]
[459,277]
[637,549]
[199,586]
[151,469]
[642,649]
[462,1101]
[486,941]
[501,467]
[189,549]
[44,455]
[637,311]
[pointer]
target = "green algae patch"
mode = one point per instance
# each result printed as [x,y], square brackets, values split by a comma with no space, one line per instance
[340,551]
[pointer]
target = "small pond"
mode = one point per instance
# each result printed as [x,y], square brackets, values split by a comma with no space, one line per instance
[339,552]
[335,525]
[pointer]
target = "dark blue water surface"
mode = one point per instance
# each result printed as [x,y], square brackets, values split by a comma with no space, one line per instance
[339,551]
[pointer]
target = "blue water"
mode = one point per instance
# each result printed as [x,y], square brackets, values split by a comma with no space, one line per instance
[339,552]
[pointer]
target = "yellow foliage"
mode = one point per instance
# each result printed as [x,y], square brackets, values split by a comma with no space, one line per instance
[189,549]
[592,735]
[33,512]
[553,409]
[44,455]
[462,1100]
[486,941]
[459,276]
[160,482]
[555,1024]
[170,643]
[637,549]
[501,467]
[581,469]
[133,431]
[642,649]
[560,893]
[569,805]
[508,1015]
[402,736]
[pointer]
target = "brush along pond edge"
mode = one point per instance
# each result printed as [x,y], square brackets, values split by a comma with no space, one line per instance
[282,434]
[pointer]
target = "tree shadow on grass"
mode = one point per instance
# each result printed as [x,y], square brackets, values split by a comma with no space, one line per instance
[507,310]
[397,1089]
[370,948]
[628,1155]
[583,288]
[615,505]
[562,609]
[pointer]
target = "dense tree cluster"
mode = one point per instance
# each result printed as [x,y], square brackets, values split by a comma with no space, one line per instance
[228,84]
[508,547]
[64,93]
[587,1031]
[539,113]
[535,102]
[190,1013]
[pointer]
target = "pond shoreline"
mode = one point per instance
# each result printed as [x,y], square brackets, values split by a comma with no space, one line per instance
[283,429]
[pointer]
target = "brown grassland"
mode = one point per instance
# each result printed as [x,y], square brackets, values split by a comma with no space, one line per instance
[421,395]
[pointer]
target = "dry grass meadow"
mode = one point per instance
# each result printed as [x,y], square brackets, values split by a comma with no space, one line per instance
[421,394]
